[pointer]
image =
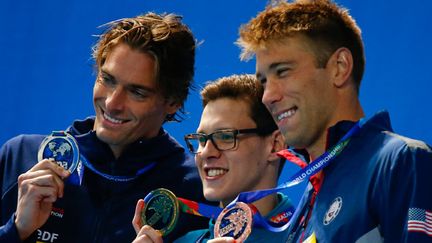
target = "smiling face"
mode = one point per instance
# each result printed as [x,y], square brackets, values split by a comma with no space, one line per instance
[300,96]
[227,173]
[127,103]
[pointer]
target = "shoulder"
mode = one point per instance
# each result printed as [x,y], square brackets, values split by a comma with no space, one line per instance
[174,155]
[388,146]
[283,210]
[383,148]
[398,159]
[21,146]
[396,140]
[20,153]
[24,139]
[405,151]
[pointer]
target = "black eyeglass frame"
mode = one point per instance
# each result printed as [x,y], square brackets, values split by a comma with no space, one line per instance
[235,132]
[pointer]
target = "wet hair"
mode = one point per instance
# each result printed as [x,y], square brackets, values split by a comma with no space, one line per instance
[243,87]
[167,40]
[324,25]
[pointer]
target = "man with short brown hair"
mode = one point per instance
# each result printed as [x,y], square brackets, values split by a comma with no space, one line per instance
[367,183]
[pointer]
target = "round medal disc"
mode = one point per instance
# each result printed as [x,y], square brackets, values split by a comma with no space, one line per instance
[234,222]
[61,147]
[161,210]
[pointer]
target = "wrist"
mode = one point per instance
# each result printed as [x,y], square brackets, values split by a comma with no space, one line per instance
[22,232]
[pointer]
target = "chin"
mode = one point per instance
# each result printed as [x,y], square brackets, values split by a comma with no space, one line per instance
[107,138]
[210,195]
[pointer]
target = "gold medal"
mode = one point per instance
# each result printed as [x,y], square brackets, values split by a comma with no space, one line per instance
[161,210]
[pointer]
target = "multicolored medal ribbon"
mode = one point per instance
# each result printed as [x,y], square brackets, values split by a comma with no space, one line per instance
[61,147]
[248,197]
[162,210]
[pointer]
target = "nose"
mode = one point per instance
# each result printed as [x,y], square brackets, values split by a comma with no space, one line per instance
[209,151]
[272,93]
[115,99]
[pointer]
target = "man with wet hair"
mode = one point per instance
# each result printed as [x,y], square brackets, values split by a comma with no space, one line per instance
[145,67]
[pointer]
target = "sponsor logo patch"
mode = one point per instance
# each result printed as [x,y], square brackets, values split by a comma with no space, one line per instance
[333,211]
[57,212]
[45,236]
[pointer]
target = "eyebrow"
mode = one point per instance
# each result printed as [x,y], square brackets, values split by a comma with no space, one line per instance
[104,73]
[216,130]
[140,87]
[273,67]
[129,85]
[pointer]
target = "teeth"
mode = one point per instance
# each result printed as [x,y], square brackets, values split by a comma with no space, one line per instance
[113,120]
[215,172]
[286,114]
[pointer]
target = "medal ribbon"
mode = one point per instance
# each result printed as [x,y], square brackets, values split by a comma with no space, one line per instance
[80,161]
[199,209]
[314,167]
[87,164]
[212,212]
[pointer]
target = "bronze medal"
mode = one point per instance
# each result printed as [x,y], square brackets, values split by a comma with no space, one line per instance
[234,222]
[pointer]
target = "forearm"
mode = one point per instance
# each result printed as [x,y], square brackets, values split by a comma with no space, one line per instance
[9,232]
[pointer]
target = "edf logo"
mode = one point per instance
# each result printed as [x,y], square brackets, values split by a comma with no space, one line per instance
[45,236]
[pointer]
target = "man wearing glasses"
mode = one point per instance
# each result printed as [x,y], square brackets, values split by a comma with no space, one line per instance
[235,151]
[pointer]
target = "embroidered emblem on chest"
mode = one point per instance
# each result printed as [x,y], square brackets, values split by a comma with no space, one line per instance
[333,211]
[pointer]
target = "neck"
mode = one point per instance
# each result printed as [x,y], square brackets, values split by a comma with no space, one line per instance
[350,111]
[264,205]
[267,204]
[116,150]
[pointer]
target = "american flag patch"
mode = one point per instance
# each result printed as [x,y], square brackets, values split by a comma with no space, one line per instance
[420,220]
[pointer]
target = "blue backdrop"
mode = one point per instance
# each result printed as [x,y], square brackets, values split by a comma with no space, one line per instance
[47,76]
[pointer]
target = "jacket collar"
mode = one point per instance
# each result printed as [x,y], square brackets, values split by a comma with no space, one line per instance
[137,155]
[379,121]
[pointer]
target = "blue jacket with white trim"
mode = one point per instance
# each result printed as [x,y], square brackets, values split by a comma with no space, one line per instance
[377,189]
[100,210]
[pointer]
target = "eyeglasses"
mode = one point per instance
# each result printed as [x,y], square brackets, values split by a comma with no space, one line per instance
[222,139]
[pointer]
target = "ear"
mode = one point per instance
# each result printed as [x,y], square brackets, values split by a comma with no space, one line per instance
[278,144]
[341,63]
